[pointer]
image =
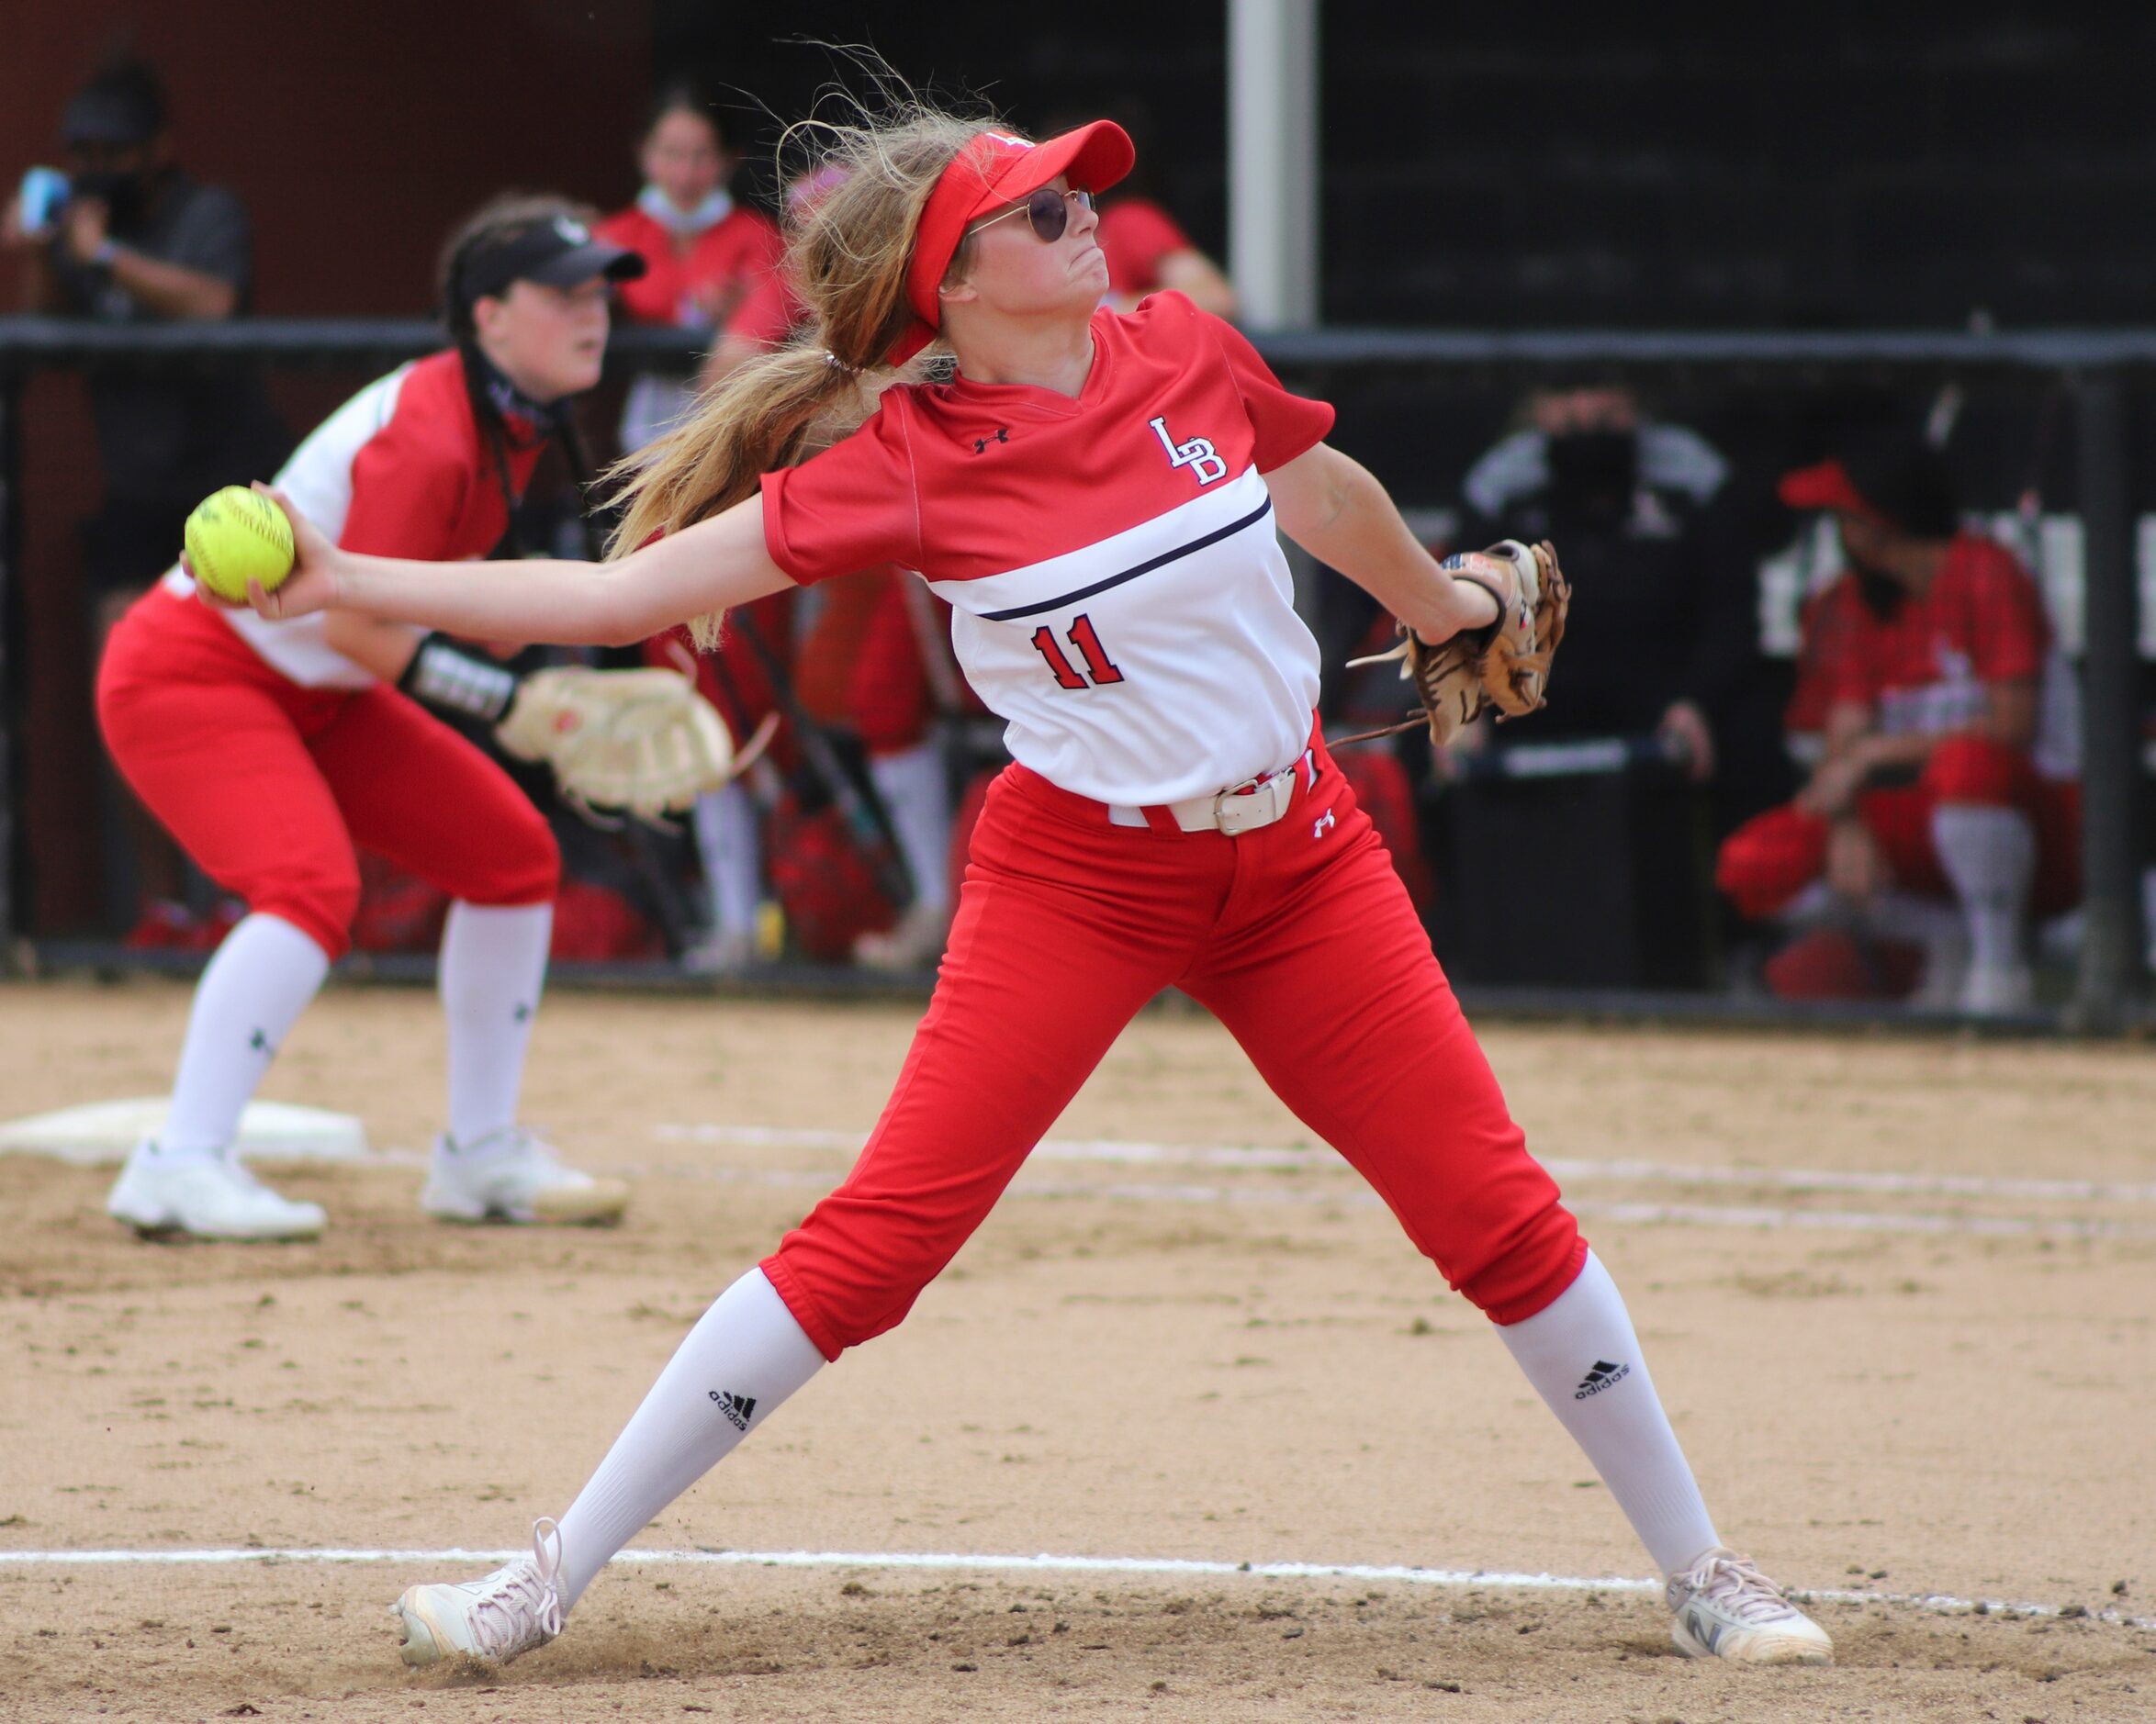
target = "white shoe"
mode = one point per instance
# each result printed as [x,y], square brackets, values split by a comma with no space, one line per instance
[1997,990]
[510,1175]
[720,953]
[1723,1608]
[206,1197]
[495,1620]
[915,942]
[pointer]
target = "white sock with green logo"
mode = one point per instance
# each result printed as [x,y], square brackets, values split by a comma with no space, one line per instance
[1582,1357]
[744,1356]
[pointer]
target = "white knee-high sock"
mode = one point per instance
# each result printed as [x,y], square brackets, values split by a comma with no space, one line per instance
[1990,855]
[726,846]
[493,967]
[913,787]
[1582,1357]
[744,1356]
[250,996]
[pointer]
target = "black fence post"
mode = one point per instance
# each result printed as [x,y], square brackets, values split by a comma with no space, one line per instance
[2111,947]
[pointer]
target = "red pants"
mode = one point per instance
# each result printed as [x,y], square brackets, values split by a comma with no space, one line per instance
[269,785]
[1769,860]
[1298,937]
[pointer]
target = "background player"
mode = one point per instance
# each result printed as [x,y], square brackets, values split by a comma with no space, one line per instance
[271,749]
[1096,496]
[704,254]
[1950,773]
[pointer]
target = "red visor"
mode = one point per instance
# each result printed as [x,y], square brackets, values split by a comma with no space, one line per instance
[1826,485]
[993,171]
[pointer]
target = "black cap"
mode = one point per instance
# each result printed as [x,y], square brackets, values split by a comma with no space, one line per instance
[554,251]
[1890,473]
[110,113]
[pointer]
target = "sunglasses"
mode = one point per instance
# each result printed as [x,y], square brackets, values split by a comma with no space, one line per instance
[1048,209]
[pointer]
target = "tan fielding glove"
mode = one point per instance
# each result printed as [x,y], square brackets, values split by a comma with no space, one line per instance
[1506,664]
[642,740]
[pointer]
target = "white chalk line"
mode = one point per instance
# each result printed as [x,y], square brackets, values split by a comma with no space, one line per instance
[1630,1170]
[1944,1604]
[1360,1197]
[1355,1196]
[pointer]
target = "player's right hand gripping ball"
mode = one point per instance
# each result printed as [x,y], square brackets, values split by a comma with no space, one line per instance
[236,536]
[1505,665]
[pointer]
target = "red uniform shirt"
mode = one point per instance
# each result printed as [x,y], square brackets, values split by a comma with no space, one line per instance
[734,254]
[1982,620]
[1136,234]
[399,470]
[1119,590]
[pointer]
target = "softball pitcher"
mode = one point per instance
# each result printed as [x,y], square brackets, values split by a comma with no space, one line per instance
[1097,496]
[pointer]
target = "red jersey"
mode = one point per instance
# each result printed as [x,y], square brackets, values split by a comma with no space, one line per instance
[770,312]
[735,252]
[1981,620]
[399,470]
[1136,234]
[1119,590]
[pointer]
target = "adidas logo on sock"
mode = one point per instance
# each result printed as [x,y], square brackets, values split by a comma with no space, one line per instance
[1600,1378]
[738,1408]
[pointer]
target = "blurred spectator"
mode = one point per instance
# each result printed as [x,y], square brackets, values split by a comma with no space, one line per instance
[134,238]
[877,663]
[874,664]
[1662,637]
[773,310]
[1944,810]
[1147,250]
[704,253]
[124,236]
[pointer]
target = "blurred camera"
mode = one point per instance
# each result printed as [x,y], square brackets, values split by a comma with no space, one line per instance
[44,194]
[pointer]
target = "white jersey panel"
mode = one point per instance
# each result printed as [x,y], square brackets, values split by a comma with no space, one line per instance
[318,478]
[1162,663]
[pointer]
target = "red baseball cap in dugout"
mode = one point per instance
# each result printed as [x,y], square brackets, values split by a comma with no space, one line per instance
[1826,485]
[1893,478]
[993,170]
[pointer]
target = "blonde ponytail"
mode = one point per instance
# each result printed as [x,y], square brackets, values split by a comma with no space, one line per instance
[847,253]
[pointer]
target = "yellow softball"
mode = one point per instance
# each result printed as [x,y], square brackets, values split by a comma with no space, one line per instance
[236,536]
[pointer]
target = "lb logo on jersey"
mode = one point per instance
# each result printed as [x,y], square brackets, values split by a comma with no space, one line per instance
[1197,454]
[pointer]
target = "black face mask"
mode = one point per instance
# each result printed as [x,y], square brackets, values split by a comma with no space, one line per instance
[1882,593]
[1593,476]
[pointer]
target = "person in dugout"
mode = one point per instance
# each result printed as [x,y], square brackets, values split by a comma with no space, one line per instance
[272,750]
[1944,812]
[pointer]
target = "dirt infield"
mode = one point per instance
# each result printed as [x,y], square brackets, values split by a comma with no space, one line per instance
[1899,1294]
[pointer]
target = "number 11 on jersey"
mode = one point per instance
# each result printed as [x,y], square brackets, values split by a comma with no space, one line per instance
[1084,638]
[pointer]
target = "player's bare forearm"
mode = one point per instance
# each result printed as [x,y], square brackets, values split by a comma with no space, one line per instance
[712,565]
[1331,505]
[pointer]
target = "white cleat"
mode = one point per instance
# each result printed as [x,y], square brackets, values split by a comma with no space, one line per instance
[510,1175]
[206,1197]
[492,1620]
[1723,1608]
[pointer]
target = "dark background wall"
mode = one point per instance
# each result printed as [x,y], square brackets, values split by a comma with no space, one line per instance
[1834,164]
[357,134]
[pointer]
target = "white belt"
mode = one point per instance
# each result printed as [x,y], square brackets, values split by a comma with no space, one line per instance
[1238,809]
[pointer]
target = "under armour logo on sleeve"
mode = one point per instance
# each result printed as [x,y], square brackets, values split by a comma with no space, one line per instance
[1197,454]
